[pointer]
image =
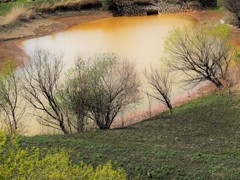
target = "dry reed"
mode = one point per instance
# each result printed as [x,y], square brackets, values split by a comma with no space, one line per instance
[15,14]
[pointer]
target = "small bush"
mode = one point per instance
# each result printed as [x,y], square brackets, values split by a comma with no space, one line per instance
[34,163]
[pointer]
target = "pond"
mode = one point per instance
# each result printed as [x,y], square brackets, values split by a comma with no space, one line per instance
[140,39]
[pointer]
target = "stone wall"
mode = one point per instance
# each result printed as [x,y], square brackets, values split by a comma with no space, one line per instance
[129,8]
[126,8]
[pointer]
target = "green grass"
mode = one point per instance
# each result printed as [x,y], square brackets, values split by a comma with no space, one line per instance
[200,140]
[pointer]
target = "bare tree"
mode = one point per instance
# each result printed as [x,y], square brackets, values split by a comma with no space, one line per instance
[234,7]
[161,84]
[40,83]
[113,85]
[202,53]
[11,105]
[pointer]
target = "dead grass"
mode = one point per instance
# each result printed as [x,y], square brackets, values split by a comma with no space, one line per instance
[71,5]
[16,14]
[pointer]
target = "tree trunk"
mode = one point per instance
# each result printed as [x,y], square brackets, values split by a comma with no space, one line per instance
[217,83]
[11,128]
[104,127]
[168,103]
[15,122]
[80,124]
[238,21]
[61,124]
[80,119]
[100,123]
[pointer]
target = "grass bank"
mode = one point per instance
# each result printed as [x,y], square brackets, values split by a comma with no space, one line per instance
[25,10]
[200,140]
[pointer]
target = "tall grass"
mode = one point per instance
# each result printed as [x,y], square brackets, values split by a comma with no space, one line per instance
[15,14]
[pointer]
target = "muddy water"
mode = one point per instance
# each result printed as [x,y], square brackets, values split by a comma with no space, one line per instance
[141,39]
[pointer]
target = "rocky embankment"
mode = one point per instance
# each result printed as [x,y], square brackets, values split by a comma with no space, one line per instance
[131,8]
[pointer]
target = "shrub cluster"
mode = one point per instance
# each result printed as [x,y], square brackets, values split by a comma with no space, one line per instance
[35,163]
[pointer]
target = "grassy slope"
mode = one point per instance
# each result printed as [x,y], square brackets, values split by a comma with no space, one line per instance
[200,140]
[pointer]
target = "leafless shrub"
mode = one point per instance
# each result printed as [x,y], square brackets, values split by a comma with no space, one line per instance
[40,83]
[202,53]
[161,85]
[12,108]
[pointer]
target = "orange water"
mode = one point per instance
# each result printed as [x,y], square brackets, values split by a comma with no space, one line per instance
[141,39]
